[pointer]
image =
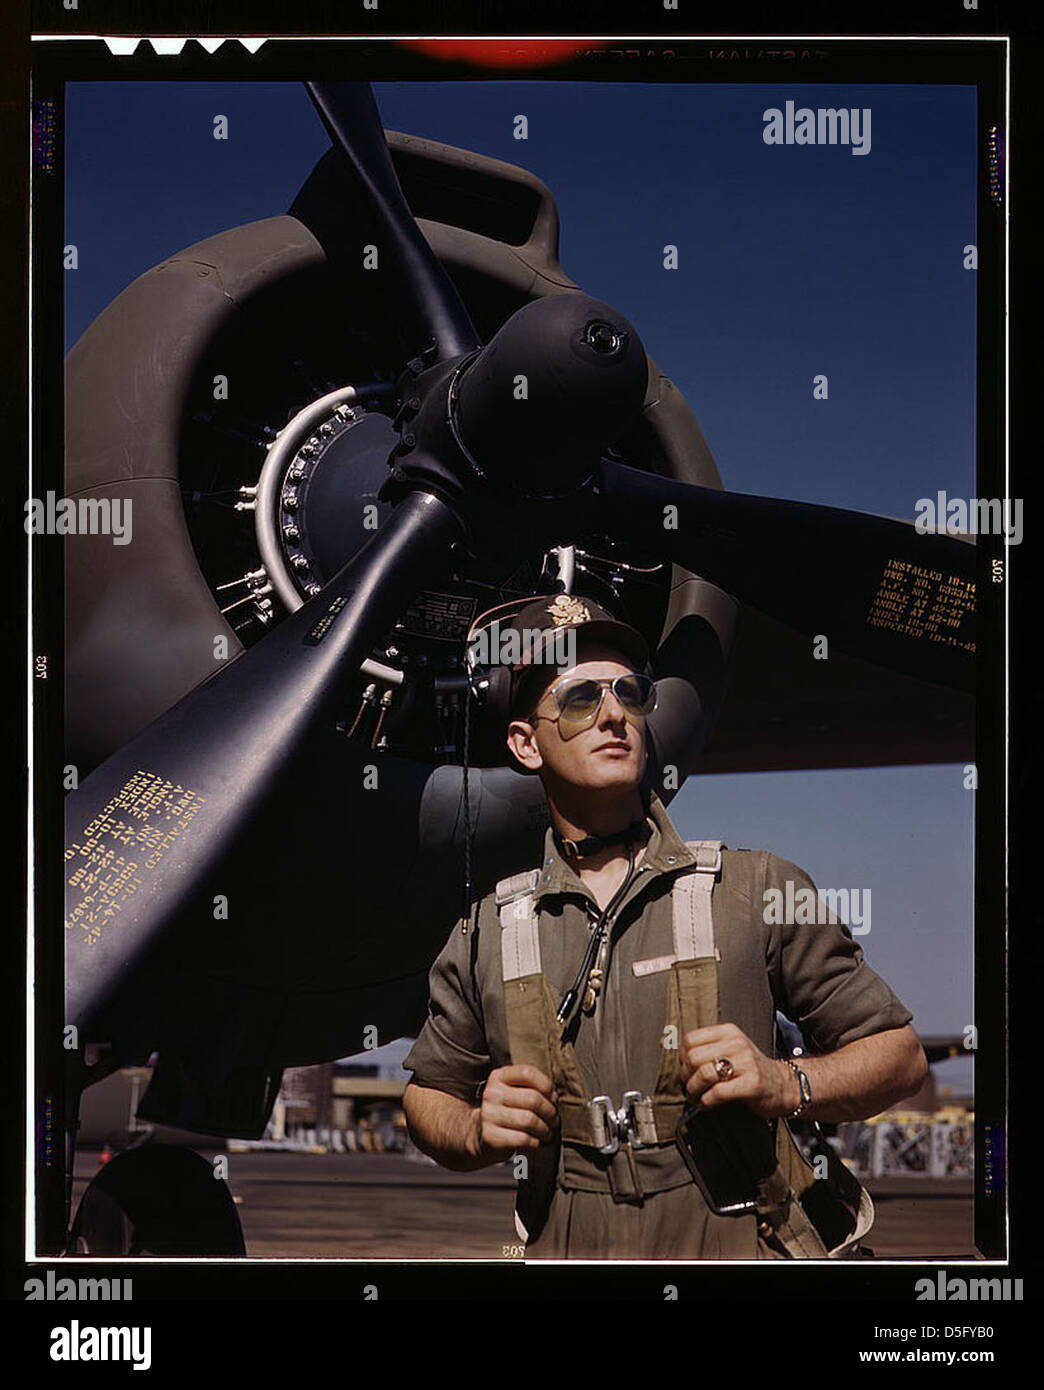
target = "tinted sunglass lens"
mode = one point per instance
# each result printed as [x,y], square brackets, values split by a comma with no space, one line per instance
[636,693]
[579,700]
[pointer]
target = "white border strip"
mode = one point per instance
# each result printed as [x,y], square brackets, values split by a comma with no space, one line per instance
[30,847]
[906,39]
[31,1258]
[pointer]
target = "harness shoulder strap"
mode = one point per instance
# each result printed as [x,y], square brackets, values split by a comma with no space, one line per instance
[692,990]
[519,938]
[516,886]
[534,1035]
[529,1008]
[694,1004]
[695,954]
[529,1012]
[691,903]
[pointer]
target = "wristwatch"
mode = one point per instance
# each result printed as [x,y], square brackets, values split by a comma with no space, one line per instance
[803,1086]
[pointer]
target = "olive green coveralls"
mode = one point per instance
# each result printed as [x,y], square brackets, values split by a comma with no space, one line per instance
[641,1202]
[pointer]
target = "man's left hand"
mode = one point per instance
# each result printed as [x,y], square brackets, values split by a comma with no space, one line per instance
[765,1084]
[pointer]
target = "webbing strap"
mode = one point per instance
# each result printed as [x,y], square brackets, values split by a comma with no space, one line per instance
[519,939]
[691,903]
[517,886]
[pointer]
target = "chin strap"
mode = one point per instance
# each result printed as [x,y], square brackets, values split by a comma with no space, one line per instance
[580,849]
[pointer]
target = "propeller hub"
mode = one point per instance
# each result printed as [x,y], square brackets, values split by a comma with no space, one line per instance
[562,379]
[604,338]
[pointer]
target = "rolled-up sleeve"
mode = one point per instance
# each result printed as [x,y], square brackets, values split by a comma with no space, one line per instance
[451,1052]
[820,977]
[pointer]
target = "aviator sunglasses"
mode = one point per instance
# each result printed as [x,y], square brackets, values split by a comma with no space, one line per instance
[579,698]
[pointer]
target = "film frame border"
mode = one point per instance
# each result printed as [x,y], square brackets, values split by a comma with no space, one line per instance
[47,438]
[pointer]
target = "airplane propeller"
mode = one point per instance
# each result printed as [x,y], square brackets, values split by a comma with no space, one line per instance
[479,456]
[876,588]
[430,298]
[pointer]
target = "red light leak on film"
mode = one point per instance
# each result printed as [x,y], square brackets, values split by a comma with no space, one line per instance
[501,53]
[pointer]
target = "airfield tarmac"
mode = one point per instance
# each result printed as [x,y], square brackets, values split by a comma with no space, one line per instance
[372,1205]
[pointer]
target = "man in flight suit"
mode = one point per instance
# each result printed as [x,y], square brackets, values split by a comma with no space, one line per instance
[610,844]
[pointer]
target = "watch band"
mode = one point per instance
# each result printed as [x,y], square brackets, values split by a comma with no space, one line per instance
[803,1087]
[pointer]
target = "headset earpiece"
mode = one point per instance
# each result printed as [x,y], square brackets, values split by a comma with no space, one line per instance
[498,694]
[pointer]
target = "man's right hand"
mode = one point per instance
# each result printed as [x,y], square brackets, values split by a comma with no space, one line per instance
[518,1111]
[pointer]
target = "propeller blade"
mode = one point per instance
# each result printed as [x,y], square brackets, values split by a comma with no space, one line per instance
[350,114]
[876,588]
[146,827]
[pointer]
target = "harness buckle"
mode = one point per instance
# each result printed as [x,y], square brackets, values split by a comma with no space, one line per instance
[610,1127]
[603,1125]
[714,867]
[629,1119]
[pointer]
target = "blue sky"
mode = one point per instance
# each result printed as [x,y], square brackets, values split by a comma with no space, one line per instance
[793,261]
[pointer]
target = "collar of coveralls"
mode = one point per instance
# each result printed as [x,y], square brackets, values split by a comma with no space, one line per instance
[664,853]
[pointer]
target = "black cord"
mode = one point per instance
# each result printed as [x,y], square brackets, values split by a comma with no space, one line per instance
[568,1003]
[467,809]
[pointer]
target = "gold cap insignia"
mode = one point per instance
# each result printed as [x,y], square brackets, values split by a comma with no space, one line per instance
[565,608]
